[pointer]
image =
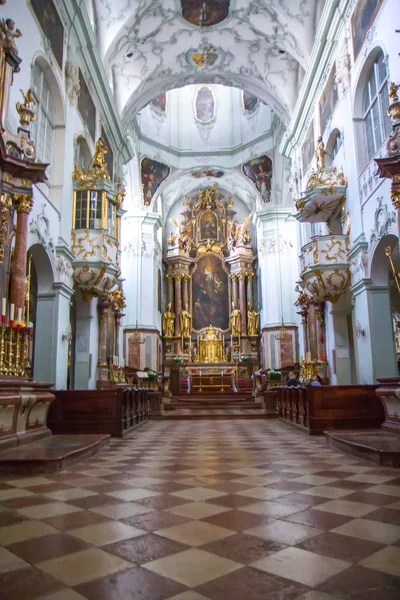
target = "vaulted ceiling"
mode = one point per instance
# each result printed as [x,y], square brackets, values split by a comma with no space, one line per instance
[261,45]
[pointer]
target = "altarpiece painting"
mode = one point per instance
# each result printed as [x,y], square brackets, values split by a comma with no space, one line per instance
[208,226]
[210,293]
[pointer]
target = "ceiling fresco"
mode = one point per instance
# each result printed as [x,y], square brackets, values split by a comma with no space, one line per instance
[156,45]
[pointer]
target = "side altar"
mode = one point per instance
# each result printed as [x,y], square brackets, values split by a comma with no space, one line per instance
[210,322]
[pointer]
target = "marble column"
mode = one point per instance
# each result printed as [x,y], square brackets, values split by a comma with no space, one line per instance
[234,290]
[185,292]
[312,332]
[320,333]
[23,204]
[305,334]
[170,290]
[242,302]
[103,320]
[250,289]
[178,303]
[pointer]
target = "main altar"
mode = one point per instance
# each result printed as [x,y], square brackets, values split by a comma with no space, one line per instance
[210,323]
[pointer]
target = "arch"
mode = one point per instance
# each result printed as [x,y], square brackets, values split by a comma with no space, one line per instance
[333,144]
[55,83]
[379,266]
[84,150]
[44,268]
[147,90]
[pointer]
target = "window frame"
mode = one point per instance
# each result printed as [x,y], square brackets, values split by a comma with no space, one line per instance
[375,122]
[45,114]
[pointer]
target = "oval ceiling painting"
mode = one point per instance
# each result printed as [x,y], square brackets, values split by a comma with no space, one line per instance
[204,105]
[205,13]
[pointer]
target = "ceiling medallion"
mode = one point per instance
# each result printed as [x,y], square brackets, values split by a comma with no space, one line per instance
[205,13]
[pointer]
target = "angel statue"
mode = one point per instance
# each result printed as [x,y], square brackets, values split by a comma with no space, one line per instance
[8,34]
[168,322]
[320,154]
[186,323]
[238,234]
[181,236]
[253,318]
[235,321]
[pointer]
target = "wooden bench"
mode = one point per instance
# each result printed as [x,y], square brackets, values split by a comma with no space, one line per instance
[116,411]
[330,407]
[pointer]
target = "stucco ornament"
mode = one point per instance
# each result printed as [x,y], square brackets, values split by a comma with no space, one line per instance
[72,84]
[342,78]
[383,219]
[65,271]
[40,227]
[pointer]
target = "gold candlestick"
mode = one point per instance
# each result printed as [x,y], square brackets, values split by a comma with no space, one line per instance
[18,354]
[2,364]
[10,352]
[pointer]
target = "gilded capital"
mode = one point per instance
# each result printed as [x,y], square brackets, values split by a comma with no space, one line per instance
[23,202]
[395,197]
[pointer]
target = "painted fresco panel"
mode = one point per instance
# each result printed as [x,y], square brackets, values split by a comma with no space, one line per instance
[308,147]
[153,173]
[159,104]
[259,170]
[86,106]
[205,105]
[205,13]
[210,293]
[249,101]
[361,21]
[328,100]
[52,26]
[208,224]
[109,157]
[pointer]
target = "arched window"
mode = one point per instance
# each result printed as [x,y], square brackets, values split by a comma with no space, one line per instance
[336,145]
[82,153]
[43,128]
[375,104]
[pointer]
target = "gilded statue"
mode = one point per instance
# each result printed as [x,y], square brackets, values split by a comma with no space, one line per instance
[168,322]
[253,320]
[181,236]
[8,34]
[235,321]
[238,234]
[209,198]
[185,319]
[393,89]
[99,165]
[320,154]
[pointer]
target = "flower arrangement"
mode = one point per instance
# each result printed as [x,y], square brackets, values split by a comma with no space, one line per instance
[177,360]
[244,358]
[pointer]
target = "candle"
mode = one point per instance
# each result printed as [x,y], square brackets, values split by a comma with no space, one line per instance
[11,312]
[123,363]
[19,316]
[3,306]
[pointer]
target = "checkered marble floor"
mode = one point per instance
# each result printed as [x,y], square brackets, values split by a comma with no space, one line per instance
[196,510]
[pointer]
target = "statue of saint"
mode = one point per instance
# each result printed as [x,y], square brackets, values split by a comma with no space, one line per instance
[235,321]
[168,322]
[320,154]
[253,318]
[185,319]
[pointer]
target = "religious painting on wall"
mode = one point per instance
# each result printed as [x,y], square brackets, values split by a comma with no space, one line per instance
[210,294]
[328,99]
[49,20]
[259,170]
[133,352]
[361,21]
[208,226]
[86,106]
[153,173]
[205,13]
[109,157]
[307,149]
[207,173]
[204,106]
[249,101]
[159,104]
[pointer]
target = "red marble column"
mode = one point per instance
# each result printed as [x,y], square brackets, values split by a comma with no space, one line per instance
[178,303]
[103,321]
[185,292]
[23,204]
[242,302]
[170,290]
[234,290]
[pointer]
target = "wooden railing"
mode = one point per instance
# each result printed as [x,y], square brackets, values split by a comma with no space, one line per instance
[116,411]
[330,407]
